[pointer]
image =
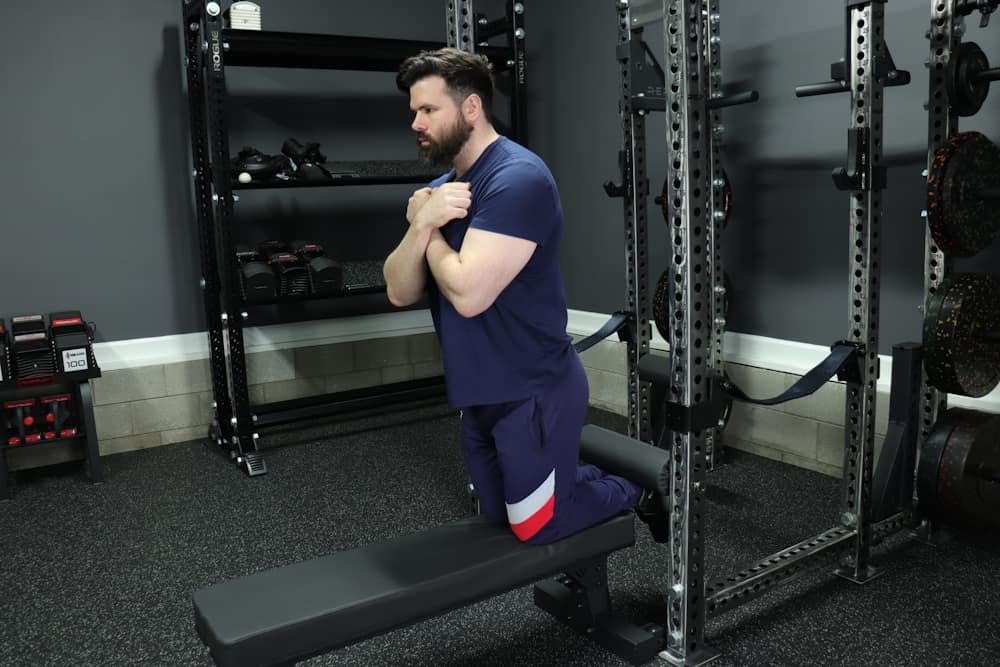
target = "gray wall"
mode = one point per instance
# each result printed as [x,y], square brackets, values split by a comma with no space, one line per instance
[786,248]
[97,196]
[98,211]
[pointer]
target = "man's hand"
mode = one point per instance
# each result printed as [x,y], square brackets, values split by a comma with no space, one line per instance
[417,201]
[445,203]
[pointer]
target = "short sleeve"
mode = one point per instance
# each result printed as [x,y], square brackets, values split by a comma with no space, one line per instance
[520,200]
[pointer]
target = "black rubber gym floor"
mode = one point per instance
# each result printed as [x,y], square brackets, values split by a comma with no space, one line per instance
[102,575]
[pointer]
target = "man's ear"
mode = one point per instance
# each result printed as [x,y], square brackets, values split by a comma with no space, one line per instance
[472,107]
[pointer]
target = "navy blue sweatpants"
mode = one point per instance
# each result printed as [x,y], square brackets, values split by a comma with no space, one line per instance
[523,458]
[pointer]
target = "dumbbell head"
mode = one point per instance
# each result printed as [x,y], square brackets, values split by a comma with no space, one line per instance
[253,162]
[307,249]
[257,280]
[272,247]
[326,275]
[300,153]
[245,254]
[293,278]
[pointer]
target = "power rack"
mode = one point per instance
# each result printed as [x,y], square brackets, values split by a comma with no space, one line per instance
[945,36]
[689,90]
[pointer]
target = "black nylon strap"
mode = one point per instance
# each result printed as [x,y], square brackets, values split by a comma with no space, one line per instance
[807,384]
[614,324]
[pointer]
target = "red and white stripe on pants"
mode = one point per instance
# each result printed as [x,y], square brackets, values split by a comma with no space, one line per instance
[527,516]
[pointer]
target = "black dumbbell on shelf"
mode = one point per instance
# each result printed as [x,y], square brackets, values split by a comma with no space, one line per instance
[308,161]
[326,275]
[289,270]
[279,269]
[33,362]
[71,340]
[257,280]
[253,165]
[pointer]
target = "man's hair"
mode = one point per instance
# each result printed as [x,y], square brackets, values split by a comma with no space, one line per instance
[463,73]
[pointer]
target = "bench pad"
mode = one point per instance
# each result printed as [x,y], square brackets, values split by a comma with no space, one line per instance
[293,612]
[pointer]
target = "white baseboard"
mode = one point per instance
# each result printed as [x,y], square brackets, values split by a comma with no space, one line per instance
[757,351]
[140,352]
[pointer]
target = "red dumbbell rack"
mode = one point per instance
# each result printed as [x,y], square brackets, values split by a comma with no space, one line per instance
[46,404]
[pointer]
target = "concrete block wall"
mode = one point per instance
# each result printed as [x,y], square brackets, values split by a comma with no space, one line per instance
[605,366]
[161,404]
[150,406]
[808,432]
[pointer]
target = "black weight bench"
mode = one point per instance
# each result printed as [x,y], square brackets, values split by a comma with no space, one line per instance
[280,616]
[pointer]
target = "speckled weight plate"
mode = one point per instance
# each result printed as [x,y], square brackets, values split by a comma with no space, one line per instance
[963,316]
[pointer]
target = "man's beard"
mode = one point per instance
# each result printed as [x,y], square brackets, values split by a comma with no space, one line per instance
[444,151]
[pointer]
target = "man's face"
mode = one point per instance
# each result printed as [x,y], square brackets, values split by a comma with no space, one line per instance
[441,129]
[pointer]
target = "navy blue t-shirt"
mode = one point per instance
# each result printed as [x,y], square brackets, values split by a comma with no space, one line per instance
[514,348]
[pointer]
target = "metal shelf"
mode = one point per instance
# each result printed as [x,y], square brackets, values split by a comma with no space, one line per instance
[354,401]
[210,49]
[44,441]
[375,172]
[360,277]
[262,48]
[349,291]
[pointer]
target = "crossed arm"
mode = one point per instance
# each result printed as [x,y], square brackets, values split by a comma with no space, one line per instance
[472,278]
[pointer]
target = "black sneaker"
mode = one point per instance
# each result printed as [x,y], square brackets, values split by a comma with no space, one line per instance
[654,514]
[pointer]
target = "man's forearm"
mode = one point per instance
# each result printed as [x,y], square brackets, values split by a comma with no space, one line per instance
[446,266]
[405,269]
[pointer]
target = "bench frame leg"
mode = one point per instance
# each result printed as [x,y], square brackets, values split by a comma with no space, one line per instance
[580,599]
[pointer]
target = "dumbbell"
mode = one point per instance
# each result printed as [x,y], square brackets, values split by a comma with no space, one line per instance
[22,423]
[13,428]
[272,247]
[307,159]
[58,417]
[325,274]
[291,272]
[71,340]
[31,350]
[256,277]
[251,164]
